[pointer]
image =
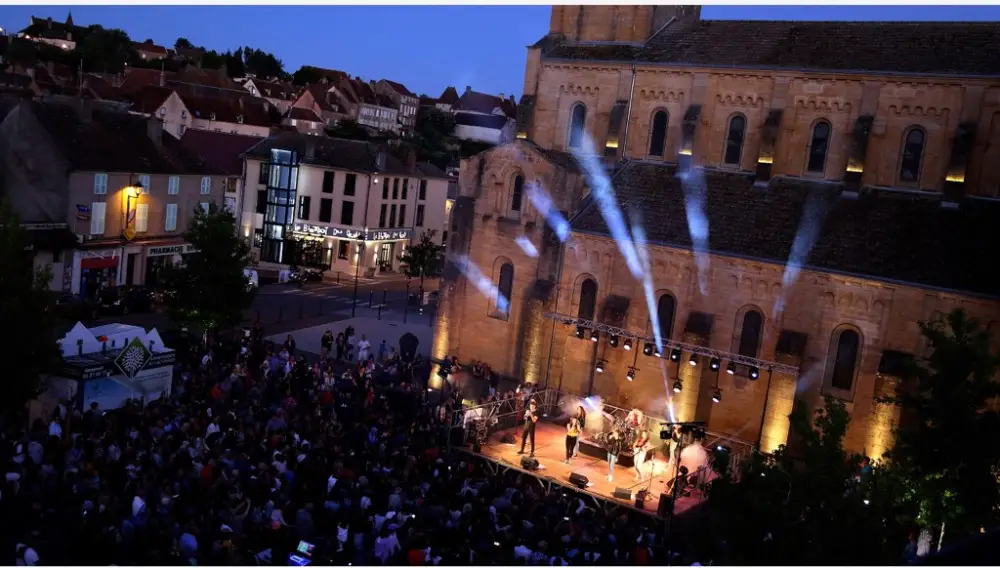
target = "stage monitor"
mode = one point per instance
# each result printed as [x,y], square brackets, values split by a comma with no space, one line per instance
[579,480]
[623,493]
[530,464]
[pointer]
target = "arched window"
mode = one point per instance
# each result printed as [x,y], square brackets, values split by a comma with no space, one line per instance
[818,146]
[517,193]
[658,134]
[505,286]
[734,140]
[913,155]
[750,334]
[588,300]
[577,125]
[665,313]
[845,362]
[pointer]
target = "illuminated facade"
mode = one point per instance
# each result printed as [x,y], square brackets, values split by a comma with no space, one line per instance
[889,157]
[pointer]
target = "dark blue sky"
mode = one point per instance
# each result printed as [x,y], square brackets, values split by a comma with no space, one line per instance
[424,47]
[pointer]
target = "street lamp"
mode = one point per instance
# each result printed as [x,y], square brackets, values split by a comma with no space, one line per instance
[131,191]
[357,270]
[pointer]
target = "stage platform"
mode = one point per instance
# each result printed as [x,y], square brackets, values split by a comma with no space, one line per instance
[550,451]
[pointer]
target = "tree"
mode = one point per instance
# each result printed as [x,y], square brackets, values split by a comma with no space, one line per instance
[105,50]
[30,346]
[210,289]
[946,474]
[349,130]
[234,63]
[212,60]
[262,64]
[183,43]
[801,506]
[306,75]
[424,259]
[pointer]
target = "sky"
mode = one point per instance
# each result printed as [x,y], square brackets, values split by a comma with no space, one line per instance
[427,48]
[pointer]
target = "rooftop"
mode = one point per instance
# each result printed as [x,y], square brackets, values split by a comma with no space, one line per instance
[938,48]
[878,234]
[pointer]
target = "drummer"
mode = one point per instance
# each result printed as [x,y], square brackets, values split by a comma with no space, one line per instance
[635,419]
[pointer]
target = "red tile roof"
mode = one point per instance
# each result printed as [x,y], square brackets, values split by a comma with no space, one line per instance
[149,47]
[275,90]
[299,113]
[219,149]
[449,96]
[149,99]
[399,88]
[229,109]
[325,100]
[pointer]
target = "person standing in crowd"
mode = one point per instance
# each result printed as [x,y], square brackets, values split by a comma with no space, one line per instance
[341,345]
[363,347]
[326,344]
[614,450]
[290,345]
[530,419]
[572,436]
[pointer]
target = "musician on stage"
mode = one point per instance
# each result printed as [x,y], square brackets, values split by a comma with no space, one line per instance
[640,449]
[614,449]
[635,419]
[573,429]
[581,417]
[530,418]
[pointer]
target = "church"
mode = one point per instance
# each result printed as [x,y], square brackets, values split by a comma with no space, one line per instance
[848,175]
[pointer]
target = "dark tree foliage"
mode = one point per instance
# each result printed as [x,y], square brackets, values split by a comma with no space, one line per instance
[104,50]
[306,75]
[183,43]
[210,288]
[945,470]
[425,259]
[348,129]
[29,348]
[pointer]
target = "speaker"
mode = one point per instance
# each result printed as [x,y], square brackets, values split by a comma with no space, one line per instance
[663,509]
[622,493]
[507,438]
[579,480]
[530,464]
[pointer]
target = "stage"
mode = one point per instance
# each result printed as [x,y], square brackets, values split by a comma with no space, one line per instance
[550,451]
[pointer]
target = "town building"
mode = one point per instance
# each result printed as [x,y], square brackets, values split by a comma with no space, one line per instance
[149,51]
[840,178]
[63,35]
[368,108]
[126,189]
[224,152]
[280,95]
[405,101]
[349,206]
[315,109]
[221,111]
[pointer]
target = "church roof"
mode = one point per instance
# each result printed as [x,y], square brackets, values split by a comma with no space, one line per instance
[879,234]
[939,48]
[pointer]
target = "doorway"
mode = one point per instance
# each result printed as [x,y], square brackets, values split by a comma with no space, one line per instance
[385,256]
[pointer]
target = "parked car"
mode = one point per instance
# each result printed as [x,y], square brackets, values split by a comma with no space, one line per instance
[74,307]
[124,300]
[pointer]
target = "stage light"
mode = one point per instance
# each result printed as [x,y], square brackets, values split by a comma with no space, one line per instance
[613,340]
[579,331]
[731,368]
[717,396]
[630,375]
[600,367]
[715,364]
[722,448]
[628,345]
[693,361]
[647,349]
[595,335]
[678,386]
[675,355]
[754,373]
[659,353]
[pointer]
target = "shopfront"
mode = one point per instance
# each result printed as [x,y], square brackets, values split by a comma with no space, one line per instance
[159,256]
[387,246]
[98,270]
[340,249]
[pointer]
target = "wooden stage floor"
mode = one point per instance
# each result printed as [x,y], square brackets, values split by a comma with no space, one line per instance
[550,451]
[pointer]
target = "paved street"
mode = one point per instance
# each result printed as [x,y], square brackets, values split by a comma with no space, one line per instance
[282,307]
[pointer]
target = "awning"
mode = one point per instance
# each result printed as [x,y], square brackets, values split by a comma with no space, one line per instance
[895,363]
[791,343]
[700,324]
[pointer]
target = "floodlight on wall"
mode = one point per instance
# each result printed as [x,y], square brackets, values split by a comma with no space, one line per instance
[731,368]
[630,375]
[693,361]
[613,341]
[580,331]
[754,373]
[595,335]
[715,364]
[678,387]
[628,345]
[599,367]
[647,349]
[717,396]
[675,355]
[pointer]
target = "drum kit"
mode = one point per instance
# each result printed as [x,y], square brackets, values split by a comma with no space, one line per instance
[626,432]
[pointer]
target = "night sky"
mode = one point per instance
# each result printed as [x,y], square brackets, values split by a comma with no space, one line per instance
[425,48]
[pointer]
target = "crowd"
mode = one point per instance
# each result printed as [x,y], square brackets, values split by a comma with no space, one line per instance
[258,449]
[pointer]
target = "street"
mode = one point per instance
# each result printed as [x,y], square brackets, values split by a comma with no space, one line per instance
[284,307]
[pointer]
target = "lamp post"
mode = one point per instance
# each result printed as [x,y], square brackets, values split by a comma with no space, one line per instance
[763,412]
[131,191]
[357,270]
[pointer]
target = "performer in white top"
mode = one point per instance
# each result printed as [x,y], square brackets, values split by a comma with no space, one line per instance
[640,449]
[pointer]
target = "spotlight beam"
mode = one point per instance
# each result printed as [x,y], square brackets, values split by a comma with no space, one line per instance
[671,344]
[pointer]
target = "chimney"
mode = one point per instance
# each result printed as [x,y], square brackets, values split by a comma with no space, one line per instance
[411,160]
[154,129]
[468,89]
